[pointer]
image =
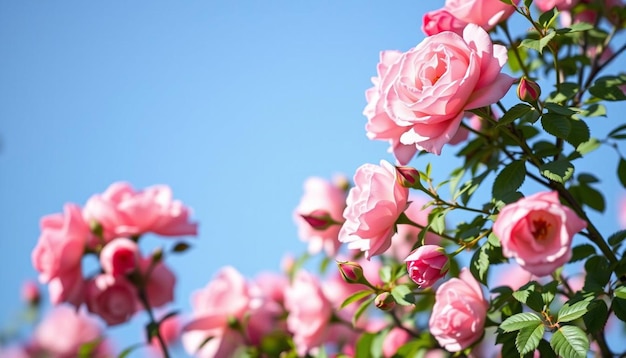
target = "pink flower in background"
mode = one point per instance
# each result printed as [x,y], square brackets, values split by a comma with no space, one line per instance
[421,96]
[394,340]
[68,287]
[427,264]
[403,241]
[112,298]
[226,297]
[456,14]
[64,330]
[159,281]
[442,20]
[458,316]
[119,257]
[170,330]
[545,5]
[373,206]
[309,312]
[61,244]
[321,195]
[123,212]
[30,292]
[537,231]
[512,275]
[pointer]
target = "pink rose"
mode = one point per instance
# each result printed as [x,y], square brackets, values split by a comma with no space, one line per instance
[537,231]
[159,280]
[427,264]
[68,287]
[226,297]
[475,122]
[442,20]
[309,312]
[61,244]
[112,298]
[545,5]
[64,330]
[459,313]
[403,241]
[373,206]
[512,276]
[119,257]
[321,195]
[122,211]
[421,96]
[395,339]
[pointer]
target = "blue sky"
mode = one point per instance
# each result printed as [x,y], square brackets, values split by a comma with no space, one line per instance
[232,104]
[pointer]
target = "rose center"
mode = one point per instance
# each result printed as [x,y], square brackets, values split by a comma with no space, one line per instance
[541,228]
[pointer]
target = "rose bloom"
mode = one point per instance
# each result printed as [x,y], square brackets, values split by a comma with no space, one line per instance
[420,96]
[119,257]
[373,206]
[456,14]
[458,316]
[64,330]
[395,339]
[309,312]
[537,231]
[112,298]
[321,195]
[123,211]
[545,5]
[160,282]
[427,264]
[227,296]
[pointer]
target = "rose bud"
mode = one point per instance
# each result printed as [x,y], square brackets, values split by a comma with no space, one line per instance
[407,176]
[528,91]
[385,301]
[427,264]
[351,272]
[119,257]
[319,220]
[30,293]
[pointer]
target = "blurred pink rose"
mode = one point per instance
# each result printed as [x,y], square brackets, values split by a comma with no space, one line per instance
[537,231]
[309,312]
[373,206]
[61,243]
[545,5]
[321,195]
[456,14]
[458,316]
[427,264]
[30,292]
[511,275]
[119,257]
[394,340]
[226,297]
[68,287]
[403,241]
[13,351]
[112,298]
[421,96]
[122,211]
[159,281]
[63,331]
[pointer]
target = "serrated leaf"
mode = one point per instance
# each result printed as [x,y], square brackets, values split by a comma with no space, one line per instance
[598,273]
[570,341]
[557,125]
[559,109]
[403,295]
[514,113]
[509,179]
[581,252]
[356,297]
[617,238]
[588,146]
[528,338]
[568,312]
[579,133]
[519,321]
[596,319]
[560,170]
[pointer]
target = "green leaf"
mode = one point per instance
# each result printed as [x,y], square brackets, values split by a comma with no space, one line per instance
[514,113]
[596,318]
[579,26]
[364,345]
[618,306]
[528,338]
[545,351]
[607,88]
[621,171]
[556,124]
[403,295]
[359,311]
[356,297]
[129,350]
[588,146]
[598,273]
[568,312]
[519,321]
[559,109]
[581,252]
[579,133]
[509,179]
[620,292]
[181,247]
[547,18]
[617,238]
[570,341]
[385,273]
[560,170]
[618,130]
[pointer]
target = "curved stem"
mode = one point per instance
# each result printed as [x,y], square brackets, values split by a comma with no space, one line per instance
[153,323]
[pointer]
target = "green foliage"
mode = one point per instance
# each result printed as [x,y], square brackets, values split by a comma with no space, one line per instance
[570,341]
[509,180]
[520,321]
[570,312]
[560,170]
[528,338]
[403,295]
[488,254]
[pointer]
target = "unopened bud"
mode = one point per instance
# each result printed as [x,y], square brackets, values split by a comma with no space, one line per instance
[30,293]
[351,271]
[528,91]
[319,220]
[385,301]
[407,176]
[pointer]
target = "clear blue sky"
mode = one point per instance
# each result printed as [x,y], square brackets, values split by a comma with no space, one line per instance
[232,104]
